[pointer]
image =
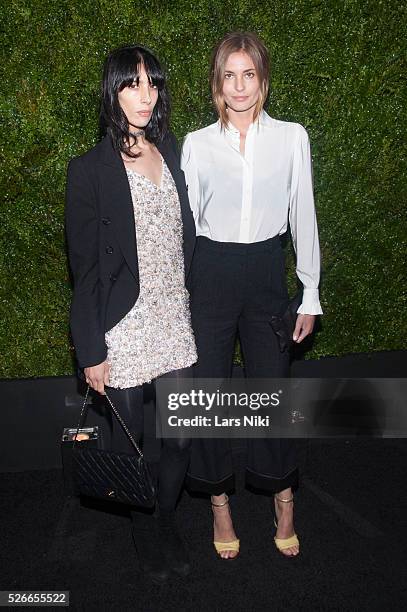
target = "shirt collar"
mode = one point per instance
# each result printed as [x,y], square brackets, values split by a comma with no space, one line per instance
[262,120]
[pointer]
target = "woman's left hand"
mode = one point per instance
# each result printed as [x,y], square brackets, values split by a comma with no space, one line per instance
[303,327]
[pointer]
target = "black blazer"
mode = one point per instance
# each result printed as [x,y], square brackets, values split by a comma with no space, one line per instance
[102,243]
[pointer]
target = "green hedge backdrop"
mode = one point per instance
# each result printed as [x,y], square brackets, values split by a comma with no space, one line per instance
[337,68]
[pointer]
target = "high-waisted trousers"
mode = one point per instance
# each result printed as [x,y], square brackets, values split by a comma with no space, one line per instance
[175,452]
[235,289]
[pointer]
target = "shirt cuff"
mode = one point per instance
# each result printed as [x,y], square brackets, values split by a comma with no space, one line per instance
[310,303]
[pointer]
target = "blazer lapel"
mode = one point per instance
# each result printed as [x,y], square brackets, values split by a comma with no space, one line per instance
[117,199]
[118,204]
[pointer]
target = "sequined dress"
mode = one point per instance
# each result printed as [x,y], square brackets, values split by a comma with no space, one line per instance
[155,336]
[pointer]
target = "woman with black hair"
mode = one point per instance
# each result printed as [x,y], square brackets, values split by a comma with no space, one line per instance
[131,235]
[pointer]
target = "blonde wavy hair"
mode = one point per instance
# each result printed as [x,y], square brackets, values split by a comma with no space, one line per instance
[256,50]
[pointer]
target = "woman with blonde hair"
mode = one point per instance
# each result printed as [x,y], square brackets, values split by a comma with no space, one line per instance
[248,176]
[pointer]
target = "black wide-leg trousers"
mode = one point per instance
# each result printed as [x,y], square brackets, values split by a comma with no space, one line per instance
[235,289]
[175,452]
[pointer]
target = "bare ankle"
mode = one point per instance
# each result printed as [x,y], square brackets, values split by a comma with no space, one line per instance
[218,501]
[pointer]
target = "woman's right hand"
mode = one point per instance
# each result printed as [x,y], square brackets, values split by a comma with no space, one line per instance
[97,376]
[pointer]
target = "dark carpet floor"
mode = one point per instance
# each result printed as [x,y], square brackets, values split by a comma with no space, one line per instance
[351,517]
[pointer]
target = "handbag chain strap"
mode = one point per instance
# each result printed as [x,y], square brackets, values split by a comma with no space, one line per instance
[117,415]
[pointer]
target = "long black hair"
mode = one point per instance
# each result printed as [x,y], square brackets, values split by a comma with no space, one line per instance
[121,69]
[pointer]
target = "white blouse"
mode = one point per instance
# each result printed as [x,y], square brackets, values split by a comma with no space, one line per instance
[249,198]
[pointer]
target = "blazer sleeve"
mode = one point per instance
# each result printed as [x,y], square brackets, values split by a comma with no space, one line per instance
[81,224]
[174,145]
[187,216]
[190,168]
[303,224]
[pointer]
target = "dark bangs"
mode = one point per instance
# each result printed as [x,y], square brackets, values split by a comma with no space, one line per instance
[121,69]
[130,69]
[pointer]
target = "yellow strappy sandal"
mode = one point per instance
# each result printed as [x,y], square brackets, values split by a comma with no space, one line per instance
[233,546]
[284,543]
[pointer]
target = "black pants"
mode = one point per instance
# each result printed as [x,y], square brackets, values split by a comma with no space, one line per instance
[235,288]
[175,452]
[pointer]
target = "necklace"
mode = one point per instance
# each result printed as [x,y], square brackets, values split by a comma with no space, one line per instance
[137,134]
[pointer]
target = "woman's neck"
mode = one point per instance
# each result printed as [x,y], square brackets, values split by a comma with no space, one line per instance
[241,121]
[137,140]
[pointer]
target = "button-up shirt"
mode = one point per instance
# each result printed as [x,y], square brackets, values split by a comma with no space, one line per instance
[250,197]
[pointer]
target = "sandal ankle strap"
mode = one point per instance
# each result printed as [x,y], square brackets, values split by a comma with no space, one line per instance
[286,501]
[222,503]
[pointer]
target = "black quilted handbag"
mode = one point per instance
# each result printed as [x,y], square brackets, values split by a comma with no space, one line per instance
[118,477]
